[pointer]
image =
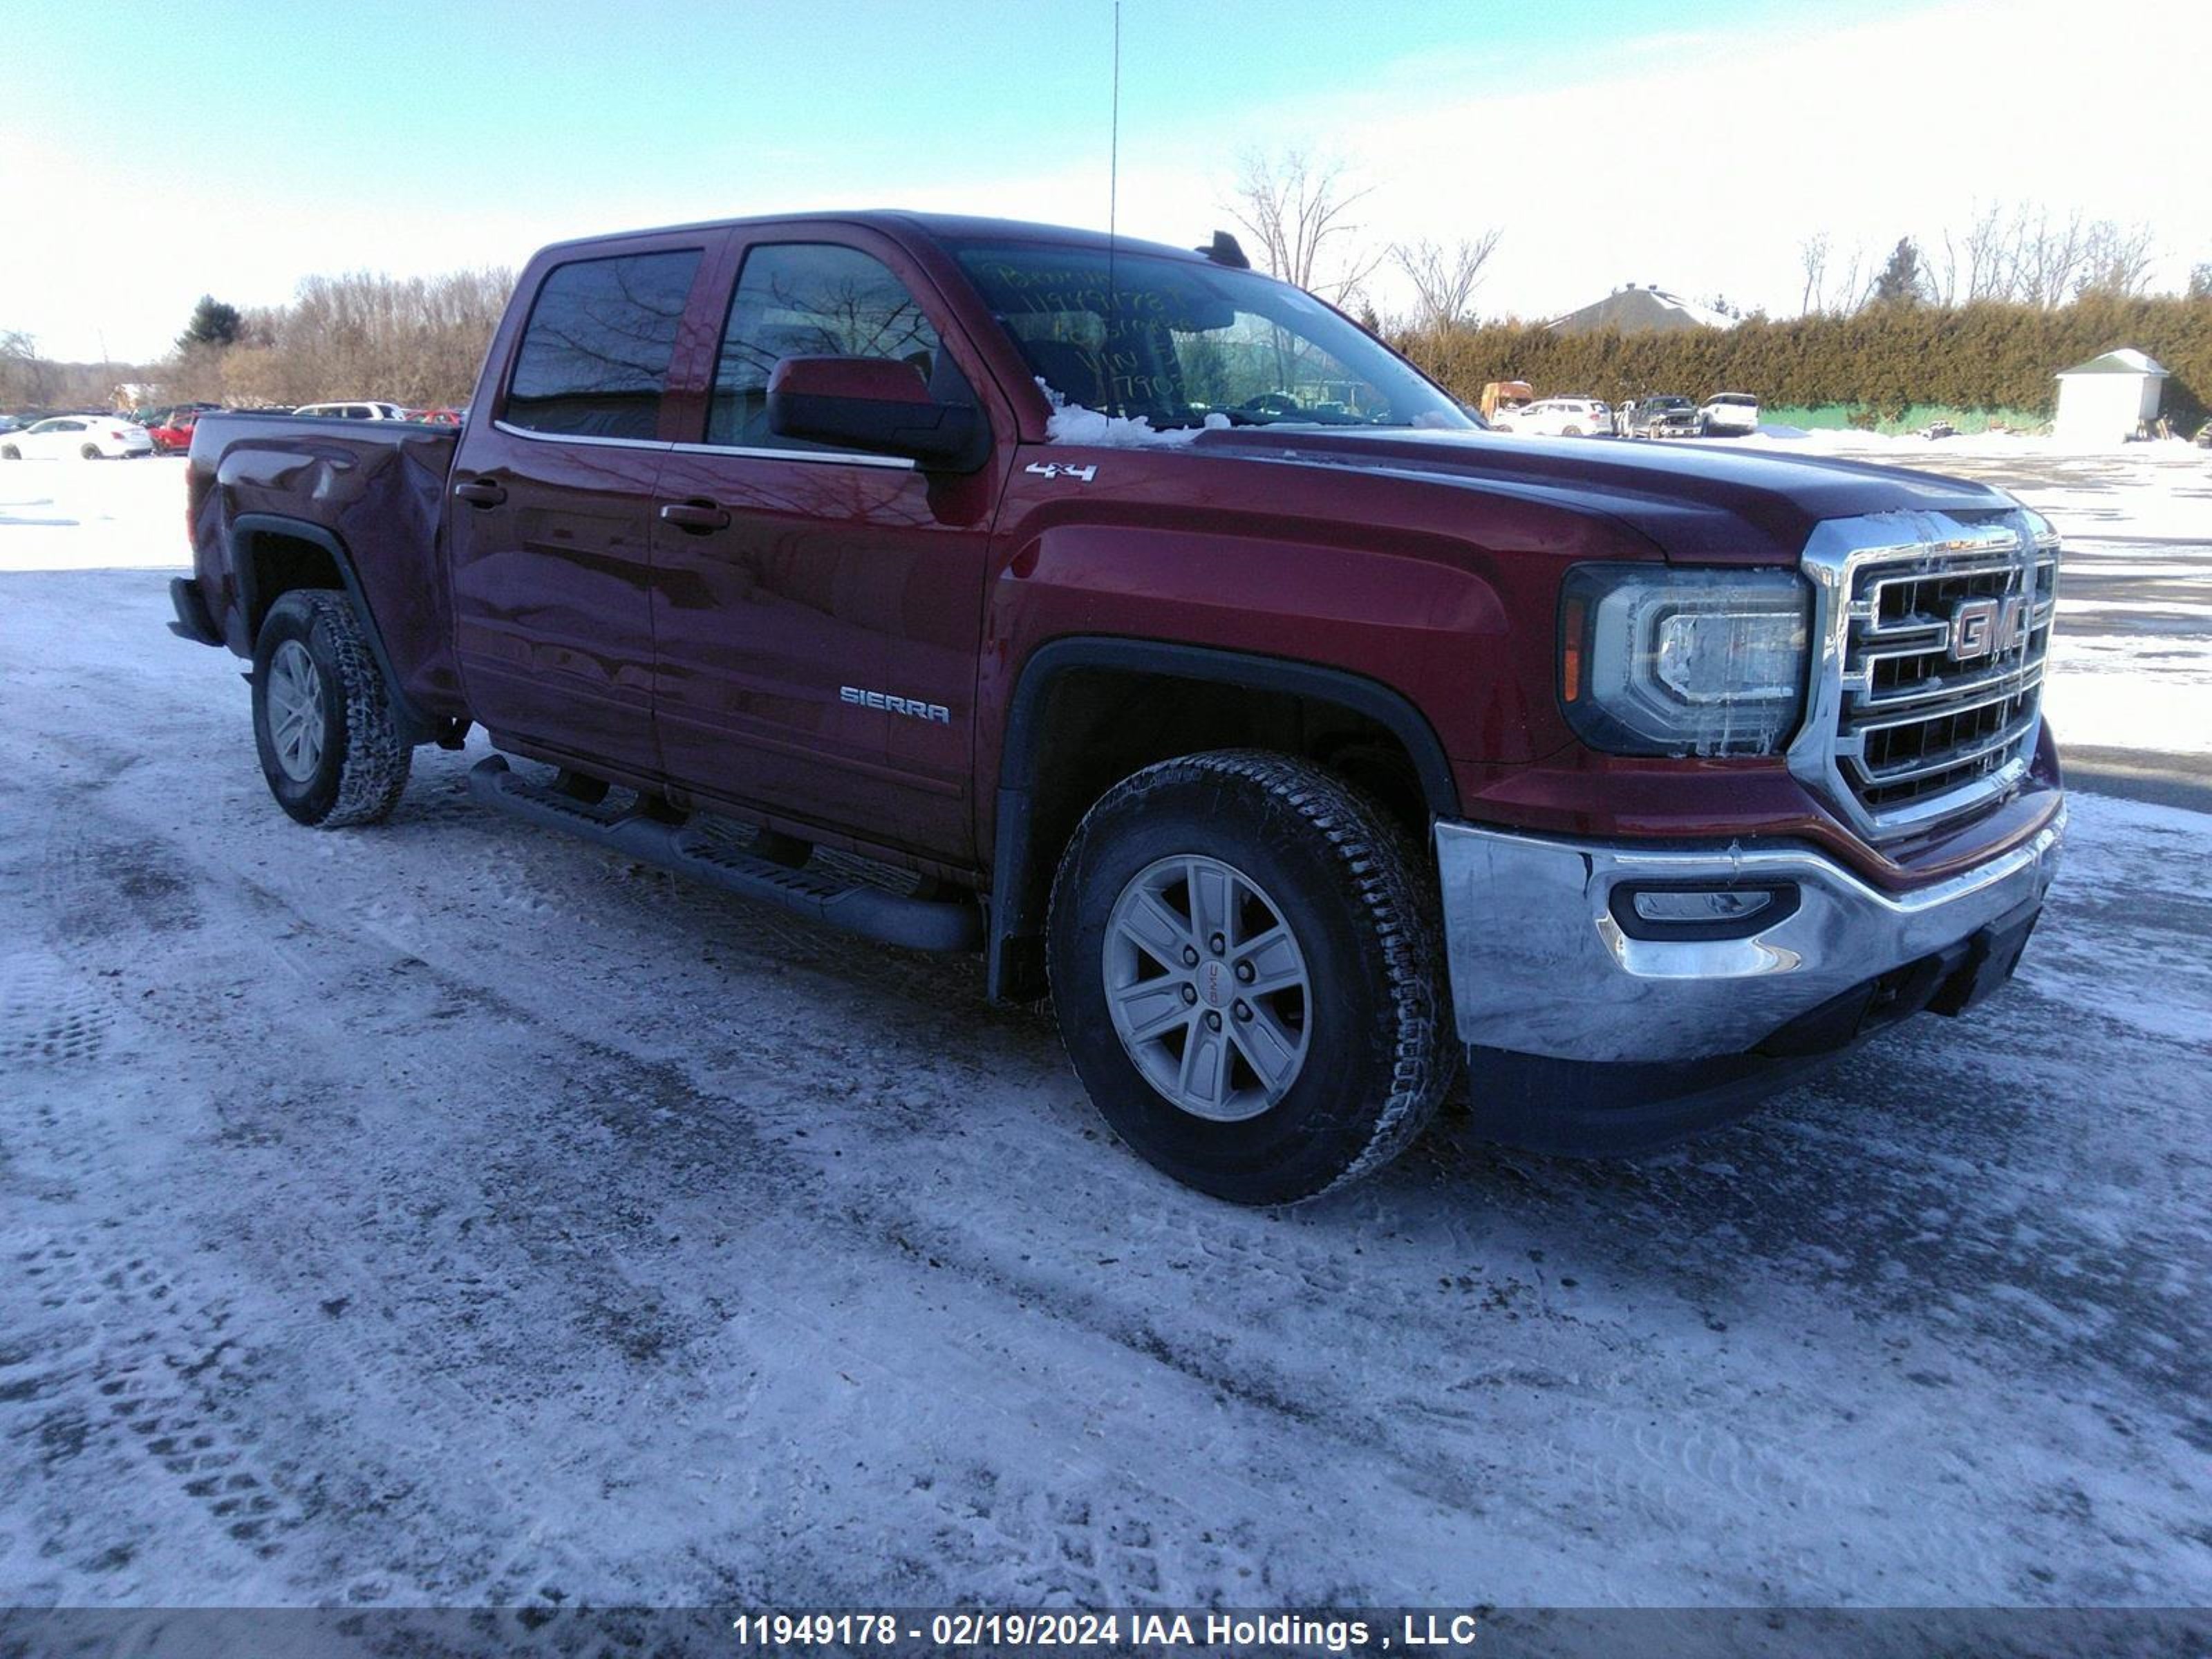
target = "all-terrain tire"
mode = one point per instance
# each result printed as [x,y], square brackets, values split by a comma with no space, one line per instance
[1377,1057]
[360,767]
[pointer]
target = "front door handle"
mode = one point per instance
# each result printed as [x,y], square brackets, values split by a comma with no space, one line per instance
[481,492]
[696,517]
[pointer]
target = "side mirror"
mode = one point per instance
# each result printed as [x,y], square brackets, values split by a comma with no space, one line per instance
[874,403]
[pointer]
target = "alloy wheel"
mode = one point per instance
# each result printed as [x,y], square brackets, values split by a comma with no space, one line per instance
[1208,987]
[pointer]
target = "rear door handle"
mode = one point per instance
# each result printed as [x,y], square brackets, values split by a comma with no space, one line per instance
[698,517]
[481,492]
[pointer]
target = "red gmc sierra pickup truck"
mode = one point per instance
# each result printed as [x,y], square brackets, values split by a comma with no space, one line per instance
[1142,623]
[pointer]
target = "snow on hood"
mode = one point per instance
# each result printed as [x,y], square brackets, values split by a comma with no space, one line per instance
[1072,423]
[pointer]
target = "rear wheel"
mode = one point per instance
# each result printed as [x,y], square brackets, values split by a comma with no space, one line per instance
[1246,976]
[1571,432]
[323,721]
[89,452]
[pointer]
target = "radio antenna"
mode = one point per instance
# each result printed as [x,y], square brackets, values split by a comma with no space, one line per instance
[1114,185]
[1113,137]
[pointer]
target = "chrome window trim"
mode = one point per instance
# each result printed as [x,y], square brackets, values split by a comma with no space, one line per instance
[844,456]
[836,457]
[1835,554]
[514,431]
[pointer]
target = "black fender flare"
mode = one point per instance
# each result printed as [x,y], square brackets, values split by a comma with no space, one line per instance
[1015,933]
[415,725]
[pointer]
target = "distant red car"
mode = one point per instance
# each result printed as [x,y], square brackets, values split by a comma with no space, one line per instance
[173,434]
[438,416]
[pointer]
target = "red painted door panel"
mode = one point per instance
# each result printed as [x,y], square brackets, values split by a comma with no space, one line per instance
[817,656]
[553,627]
[832,580]
[551,540]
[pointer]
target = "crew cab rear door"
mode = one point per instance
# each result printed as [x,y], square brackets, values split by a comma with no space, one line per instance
[817,611]
[550,527]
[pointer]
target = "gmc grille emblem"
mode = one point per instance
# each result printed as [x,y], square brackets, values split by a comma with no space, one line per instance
[1982,628]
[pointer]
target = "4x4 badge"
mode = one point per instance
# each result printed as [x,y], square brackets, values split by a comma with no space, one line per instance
[1055,469]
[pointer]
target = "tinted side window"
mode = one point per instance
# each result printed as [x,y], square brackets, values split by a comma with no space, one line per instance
[816,300]
[594,356]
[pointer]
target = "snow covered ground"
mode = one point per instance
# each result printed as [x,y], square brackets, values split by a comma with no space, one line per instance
[449,1213]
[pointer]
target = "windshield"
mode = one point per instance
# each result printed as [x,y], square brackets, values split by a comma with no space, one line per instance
[1173,341]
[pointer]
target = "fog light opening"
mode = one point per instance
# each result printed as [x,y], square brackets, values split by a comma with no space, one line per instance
[1699,904]
[1694,910]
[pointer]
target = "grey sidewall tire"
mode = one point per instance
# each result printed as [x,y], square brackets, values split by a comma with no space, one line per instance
[1358,1098]
[363,763]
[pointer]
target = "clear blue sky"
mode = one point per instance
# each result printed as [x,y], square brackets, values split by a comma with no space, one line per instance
[236,147]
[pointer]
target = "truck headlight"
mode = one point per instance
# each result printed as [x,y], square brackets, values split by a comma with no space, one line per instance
[1659,661]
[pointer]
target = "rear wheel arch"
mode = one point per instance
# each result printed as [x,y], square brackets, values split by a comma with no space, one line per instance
[1088,712]
[272,555]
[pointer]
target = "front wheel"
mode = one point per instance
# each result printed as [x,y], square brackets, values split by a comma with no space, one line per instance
[10,453]
[1246,976]
[323,721]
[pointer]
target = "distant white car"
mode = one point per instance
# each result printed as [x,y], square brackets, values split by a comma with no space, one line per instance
[1559,417]
[1729,413]
[360,411]
[87,437]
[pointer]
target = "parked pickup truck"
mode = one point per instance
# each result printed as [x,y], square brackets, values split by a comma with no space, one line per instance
[1157,633]
[1667,416]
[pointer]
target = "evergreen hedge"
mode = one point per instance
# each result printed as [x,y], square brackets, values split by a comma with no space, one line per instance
[1885,358]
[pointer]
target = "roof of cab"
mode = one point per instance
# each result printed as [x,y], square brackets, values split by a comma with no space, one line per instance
[951,228]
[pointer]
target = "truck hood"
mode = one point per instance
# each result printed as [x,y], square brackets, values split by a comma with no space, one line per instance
[1699,506]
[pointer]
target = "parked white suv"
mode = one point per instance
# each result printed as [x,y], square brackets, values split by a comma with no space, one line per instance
[1729,413]
[361,412]
[1559,417]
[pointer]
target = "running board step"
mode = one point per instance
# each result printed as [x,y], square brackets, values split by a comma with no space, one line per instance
[889,918]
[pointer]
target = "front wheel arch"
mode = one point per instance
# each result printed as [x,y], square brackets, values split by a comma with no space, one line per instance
[1032,820]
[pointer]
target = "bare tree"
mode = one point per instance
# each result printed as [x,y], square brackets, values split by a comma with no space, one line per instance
[2047,258]
[26,379]
[1989,245]
[1444,279]
[412,339]
[1832,289]
[1297,207]
[1813,257]
[2116,261]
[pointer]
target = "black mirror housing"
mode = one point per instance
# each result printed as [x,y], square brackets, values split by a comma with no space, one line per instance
[877,404]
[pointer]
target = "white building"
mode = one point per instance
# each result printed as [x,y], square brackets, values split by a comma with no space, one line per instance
[2104,400]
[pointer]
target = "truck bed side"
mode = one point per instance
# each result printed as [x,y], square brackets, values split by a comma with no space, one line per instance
[278,501]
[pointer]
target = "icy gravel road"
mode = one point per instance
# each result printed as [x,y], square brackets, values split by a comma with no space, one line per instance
[448,1212]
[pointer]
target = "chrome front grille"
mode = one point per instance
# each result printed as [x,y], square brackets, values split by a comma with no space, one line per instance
[1928,695]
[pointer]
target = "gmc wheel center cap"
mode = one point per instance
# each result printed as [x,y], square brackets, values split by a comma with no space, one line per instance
[1213,985]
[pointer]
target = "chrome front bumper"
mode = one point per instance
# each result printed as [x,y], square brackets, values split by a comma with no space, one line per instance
[1540,964]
